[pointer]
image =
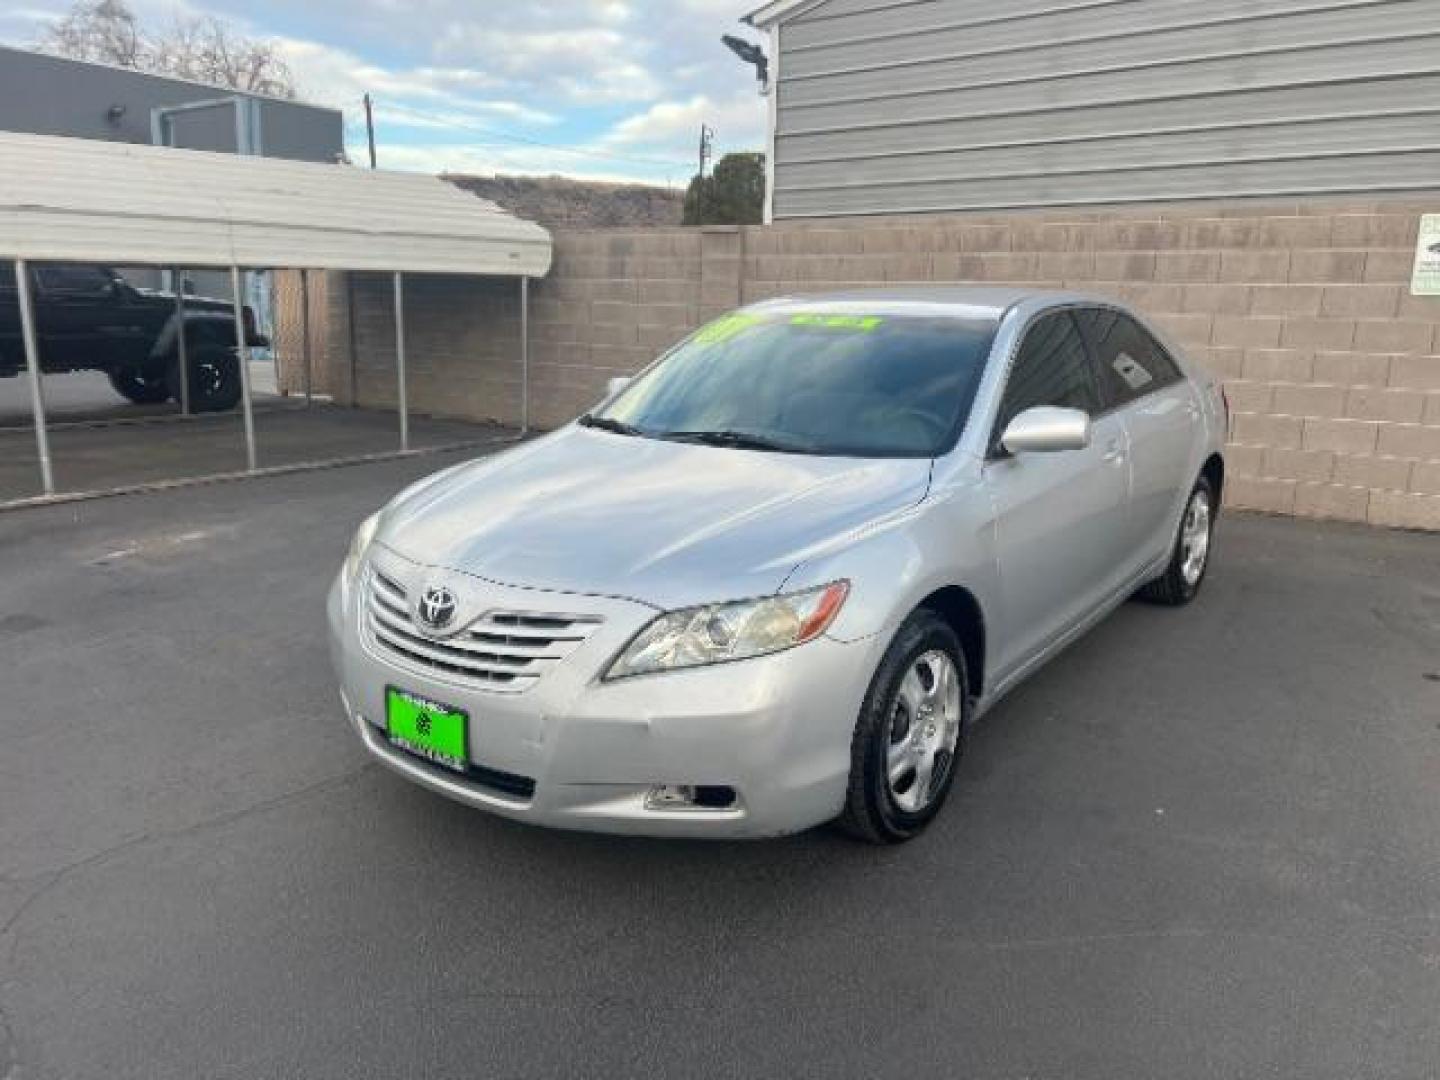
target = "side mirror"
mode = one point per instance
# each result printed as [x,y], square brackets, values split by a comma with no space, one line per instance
[1046,429]
[615,385]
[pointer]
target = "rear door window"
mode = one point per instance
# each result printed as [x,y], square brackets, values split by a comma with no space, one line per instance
[1129,362]
[7,277]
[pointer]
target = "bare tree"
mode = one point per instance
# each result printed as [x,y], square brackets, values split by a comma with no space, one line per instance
[201,49]
[103,31]
[204,49]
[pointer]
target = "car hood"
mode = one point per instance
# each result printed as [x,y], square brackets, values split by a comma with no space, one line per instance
[669,524]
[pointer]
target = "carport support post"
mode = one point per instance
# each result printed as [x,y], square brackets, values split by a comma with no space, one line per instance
[242,353]
[181,348]
[305,332]
[400,361]
[32,361]
[524,355]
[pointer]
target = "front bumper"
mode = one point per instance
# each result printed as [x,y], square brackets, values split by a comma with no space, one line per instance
[776,729]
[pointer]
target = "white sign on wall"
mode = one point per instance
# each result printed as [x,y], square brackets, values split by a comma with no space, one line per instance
[1426,281]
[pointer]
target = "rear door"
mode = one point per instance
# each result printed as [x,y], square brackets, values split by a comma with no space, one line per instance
[1161,413]
[1060,518]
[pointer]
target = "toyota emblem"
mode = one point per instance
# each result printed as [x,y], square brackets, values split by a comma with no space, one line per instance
[437,607]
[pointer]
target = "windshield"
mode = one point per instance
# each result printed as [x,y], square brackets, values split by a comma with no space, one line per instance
[823,383]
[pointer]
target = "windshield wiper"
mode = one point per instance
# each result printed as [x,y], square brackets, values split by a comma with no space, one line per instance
[604,423]
[742,440]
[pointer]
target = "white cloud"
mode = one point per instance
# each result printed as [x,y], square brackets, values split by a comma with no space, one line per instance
[614,11]
[720,7]
[461,84]
[31,19]
[588,64]
[517,161]
[331,76]
[738,122]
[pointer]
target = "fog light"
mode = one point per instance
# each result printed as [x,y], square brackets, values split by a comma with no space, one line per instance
[690,797]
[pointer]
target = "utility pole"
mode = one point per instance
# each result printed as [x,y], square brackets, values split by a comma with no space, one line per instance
[707,135]
[370,129]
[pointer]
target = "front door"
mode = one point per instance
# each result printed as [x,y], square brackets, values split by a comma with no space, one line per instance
[1060,518]
[84,320]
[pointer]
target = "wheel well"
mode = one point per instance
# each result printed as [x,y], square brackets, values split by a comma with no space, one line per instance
[958,607]
[197,335]
[1214,471]
[206,333]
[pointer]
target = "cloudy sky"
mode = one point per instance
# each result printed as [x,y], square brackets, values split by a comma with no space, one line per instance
[609,89]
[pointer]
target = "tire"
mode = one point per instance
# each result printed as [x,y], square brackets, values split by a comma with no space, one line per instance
[134,385]
[214,378]
[888,732]
[1186,571]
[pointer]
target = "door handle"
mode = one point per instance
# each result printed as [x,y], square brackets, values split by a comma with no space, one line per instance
[1113,451]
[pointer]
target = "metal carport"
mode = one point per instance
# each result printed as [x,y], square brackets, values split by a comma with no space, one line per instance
[77,200]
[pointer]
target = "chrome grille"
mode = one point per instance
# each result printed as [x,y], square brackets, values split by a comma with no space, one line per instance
[501,650]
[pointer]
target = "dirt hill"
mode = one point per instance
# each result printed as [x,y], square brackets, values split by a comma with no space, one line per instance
[562,202]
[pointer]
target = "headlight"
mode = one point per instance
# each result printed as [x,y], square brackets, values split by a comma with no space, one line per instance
[361,544]
[718,632]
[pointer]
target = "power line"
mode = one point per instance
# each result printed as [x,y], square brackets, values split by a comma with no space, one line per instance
[508,136]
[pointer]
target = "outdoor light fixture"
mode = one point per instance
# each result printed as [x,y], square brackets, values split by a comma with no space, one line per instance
[751,54]
[114,113]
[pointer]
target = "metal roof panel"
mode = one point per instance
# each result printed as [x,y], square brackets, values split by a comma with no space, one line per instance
[83,200]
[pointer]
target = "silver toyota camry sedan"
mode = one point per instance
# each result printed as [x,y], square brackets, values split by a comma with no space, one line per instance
[772,580]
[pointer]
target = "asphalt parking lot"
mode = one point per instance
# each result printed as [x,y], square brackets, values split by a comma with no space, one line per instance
[99,442]
[1201,843]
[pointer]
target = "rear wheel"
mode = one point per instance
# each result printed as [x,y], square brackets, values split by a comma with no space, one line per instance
[143,388]
[909,734]
[214,378]
[1190,557]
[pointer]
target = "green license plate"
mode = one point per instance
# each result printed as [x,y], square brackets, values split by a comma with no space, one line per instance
[427,729]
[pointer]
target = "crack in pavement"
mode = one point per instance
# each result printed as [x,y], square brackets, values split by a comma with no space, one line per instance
[10,1061]
[9,1045]
[53,878]
[9,1048]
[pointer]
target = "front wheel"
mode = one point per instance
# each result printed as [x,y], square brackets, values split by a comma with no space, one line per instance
[909,734]
[1190,556]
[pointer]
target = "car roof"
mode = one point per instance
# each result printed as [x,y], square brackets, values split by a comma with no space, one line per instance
[958,301]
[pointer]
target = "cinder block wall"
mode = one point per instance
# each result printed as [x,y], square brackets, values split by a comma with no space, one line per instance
[462,344]
[1332,368]
[612,302]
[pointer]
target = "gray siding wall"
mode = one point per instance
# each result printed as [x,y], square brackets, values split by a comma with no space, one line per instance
[47,95]
[906,106]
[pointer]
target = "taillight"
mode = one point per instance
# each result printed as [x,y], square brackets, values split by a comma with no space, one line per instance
[1225,400]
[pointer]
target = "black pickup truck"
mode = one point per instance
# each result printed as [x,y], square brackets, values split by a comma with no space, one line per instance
[88,318]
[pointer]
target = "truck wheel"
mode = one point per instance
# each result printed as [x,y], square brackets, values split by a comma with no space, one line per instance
[214,379]
[135,385]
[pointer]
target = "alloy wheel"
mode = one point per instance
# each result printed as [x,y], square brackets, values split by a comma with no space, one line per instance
[1195,538]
